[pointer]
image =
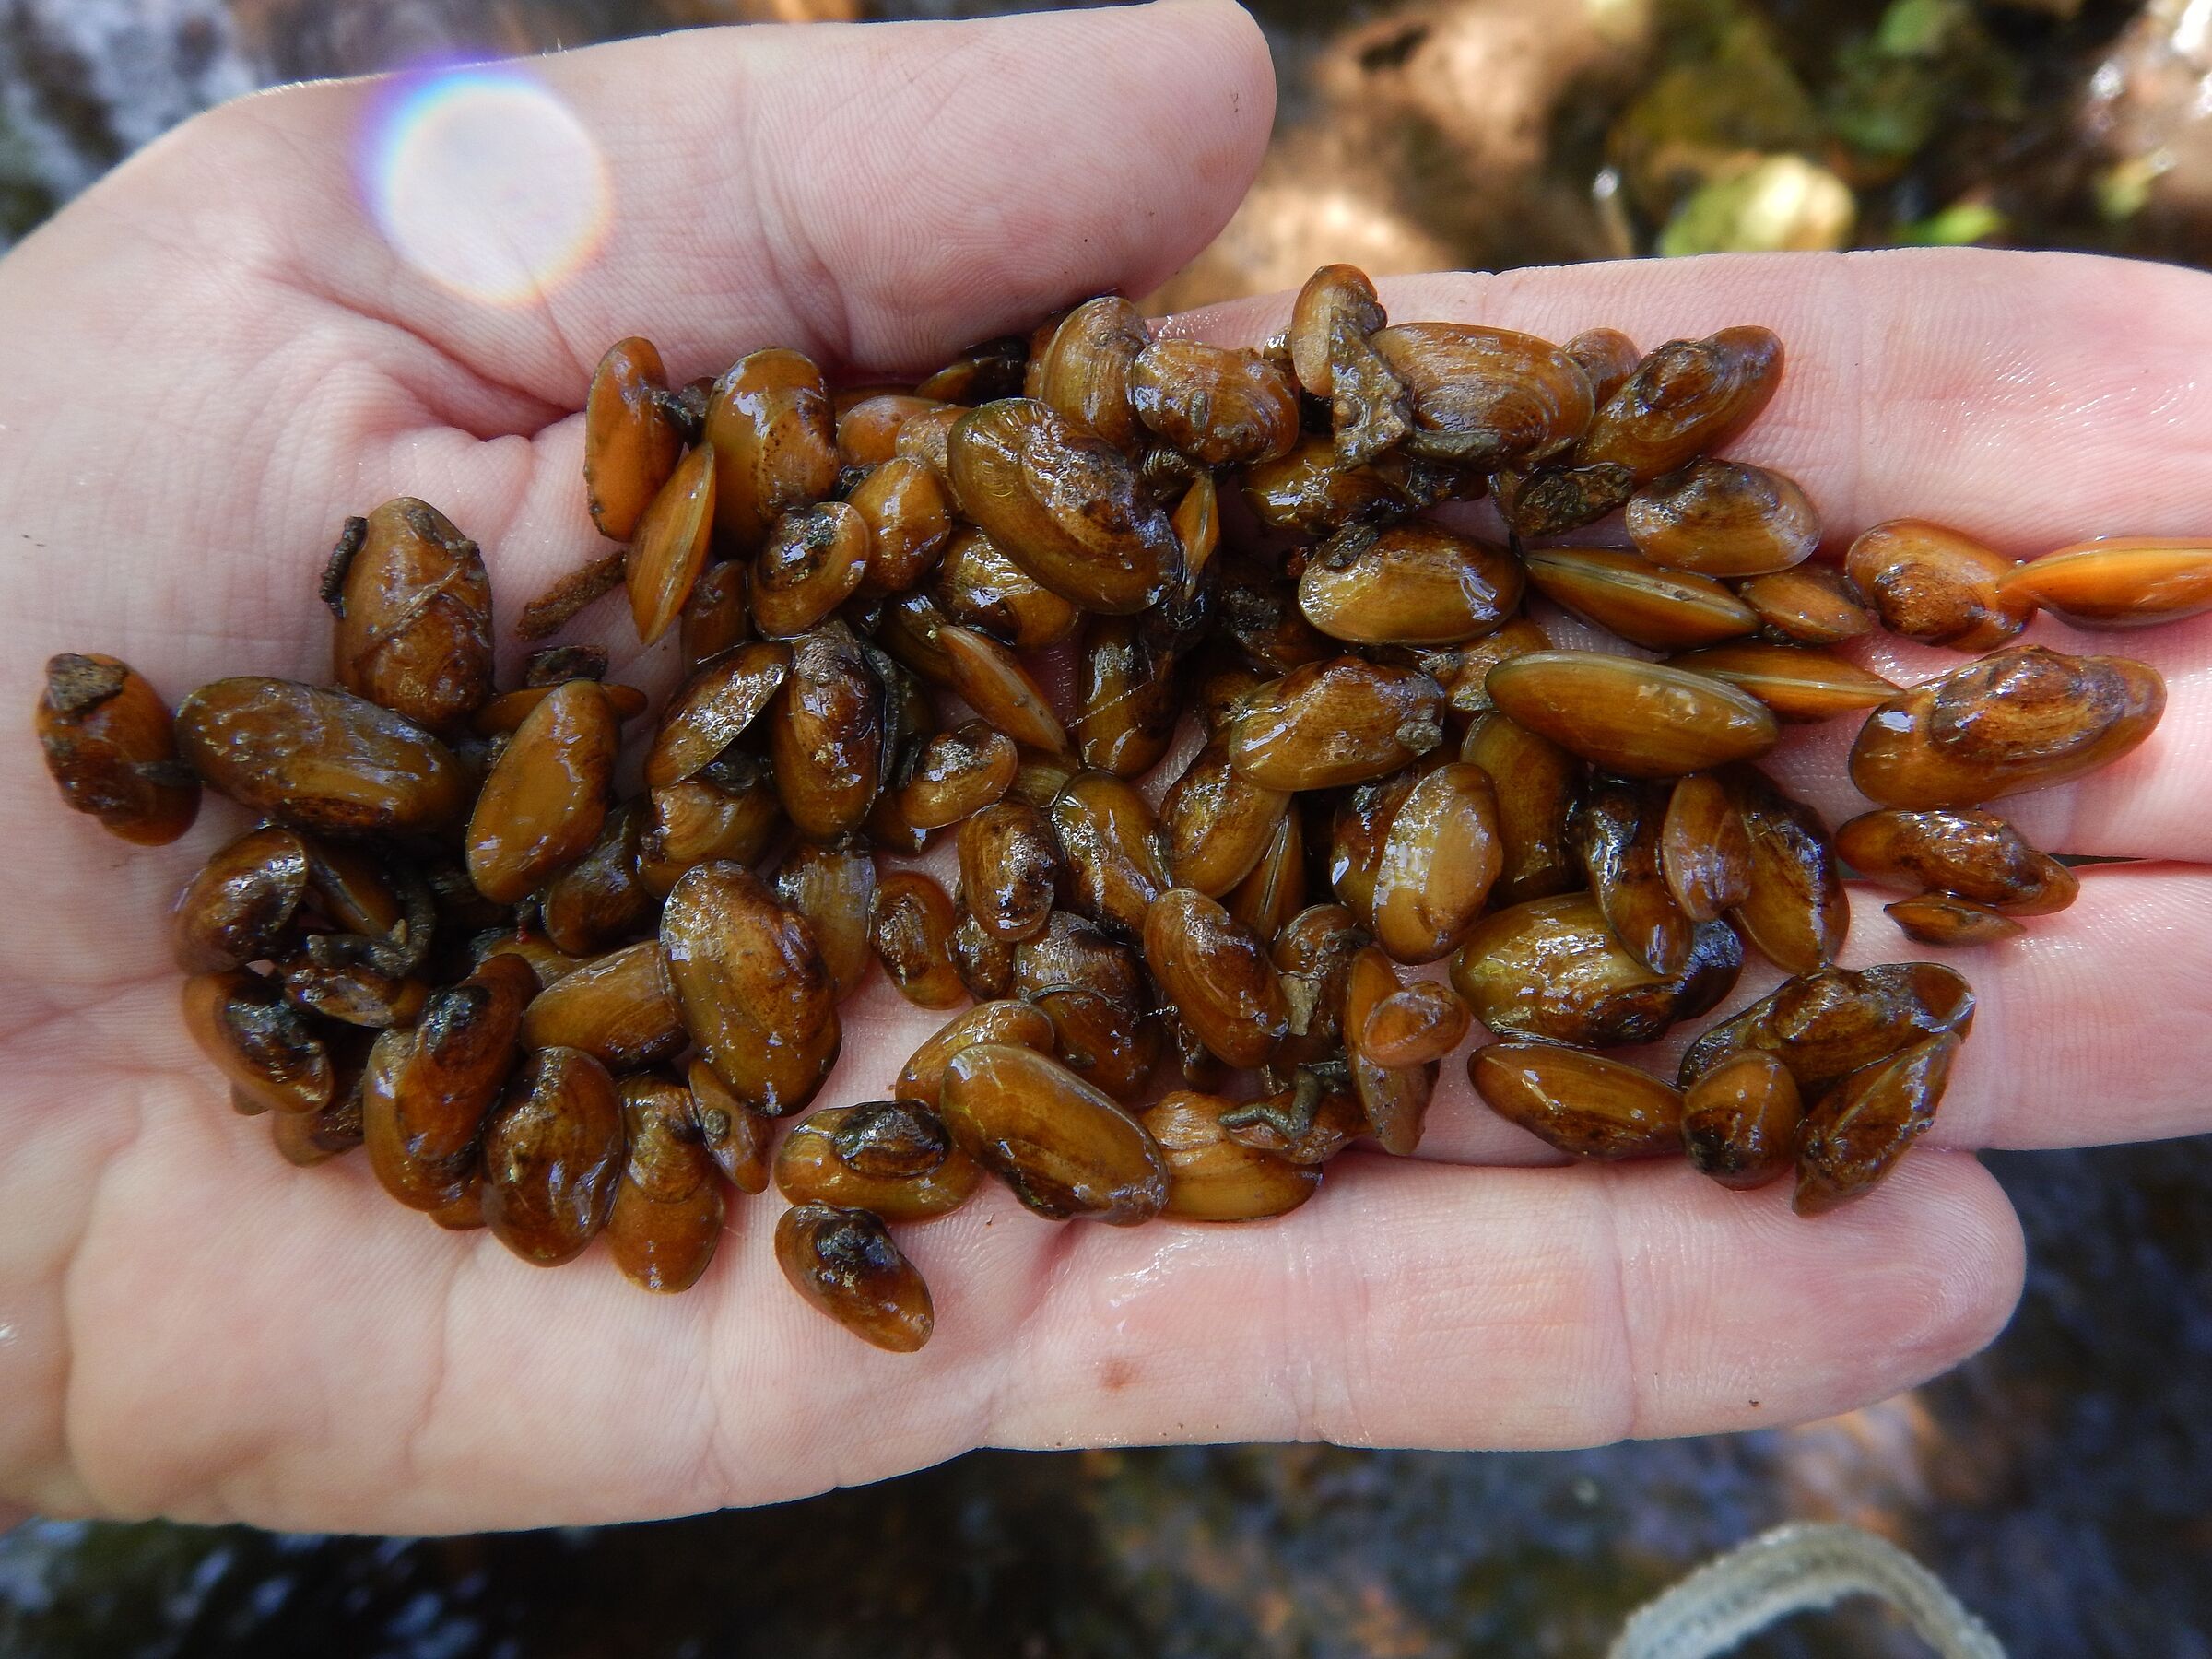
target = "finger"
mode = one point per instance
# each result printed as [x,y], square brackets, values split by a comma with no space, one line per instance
[2093,1027]
[2030,399]
[876,196]
[2148,803]
[2145,805]
[1407,1304]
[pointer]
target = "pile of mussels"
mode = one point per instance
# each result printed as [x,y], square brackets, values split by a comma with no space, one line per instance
[560,1009]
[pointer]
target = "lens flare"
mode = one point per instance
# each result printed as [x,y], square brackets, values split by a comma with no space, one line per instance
[483,181]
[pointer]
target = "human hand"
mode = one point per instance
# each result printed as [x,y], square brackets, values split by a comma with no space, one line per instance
[214,356]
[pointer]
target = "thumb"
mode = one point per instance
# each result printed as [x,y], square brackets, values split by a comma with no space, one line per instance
[877,194]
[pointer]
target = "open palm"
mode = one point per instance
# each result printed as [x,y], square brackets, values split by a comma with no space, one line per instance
[214,356]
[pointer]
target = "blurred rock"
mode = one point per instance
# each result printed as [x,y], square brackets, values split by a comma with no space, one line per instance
[1437,136]
[85,82]
[1285,228]
[1728,98]
[1779,204]
[2150,107]
[1867,1467]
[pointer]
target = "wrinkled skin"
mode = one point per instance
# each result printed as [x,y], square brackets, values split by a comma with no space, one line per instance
[215,342]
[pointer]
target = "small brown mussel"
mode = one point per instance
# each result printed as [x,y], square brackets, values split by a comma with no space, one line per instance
[1118,699]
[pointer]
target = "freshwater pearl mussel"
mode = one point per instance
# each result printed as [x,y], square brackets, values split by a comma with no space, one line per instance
[1324,797]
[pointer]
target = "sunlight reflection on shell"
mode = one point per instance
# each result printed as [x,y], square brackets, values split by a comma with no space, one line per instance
[483,181]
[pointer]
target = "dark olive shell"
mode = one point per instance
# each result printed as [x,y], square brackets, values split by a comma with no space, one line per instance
[320,759]
[755,993]
[414,630]
[2020,719]
[554,1151]
[1065,504]
[1062,1147]
[111,750]
[1551,969]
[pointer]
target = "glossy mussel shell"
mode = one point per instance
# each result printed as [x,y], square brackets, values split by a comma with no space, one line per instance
[235,909]
[553,1155]
[1408,585]
[426,1091]
[414,629]
[1685,400]
[1337,722]
[1585,1105]
[1616,828]
[263,1047]
[1856,1133]
[1064,504]
[756,994]
[1211,1176]
[826,734]
[1628,595]
[1723,518]
[1551,969]
[845,1263]
[1972,856]
[2127,582]
[1795,911]
[545,799]
[713,707]
[666,1217]
[1643,719]
[1007,1021]
[1217,973]
[1064,1147]
[2026,718]
[112,749]
[1928,582]
[320,759]
[630,447]
[1740,1120]
[1827,1024]
[773,435]
[619,1009]
[1797,683]
[817,1163]
[1485,397]
[1218,404]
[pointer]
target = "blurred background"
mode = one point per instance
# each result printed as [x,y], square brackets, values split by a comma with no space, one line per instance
[2061,1482]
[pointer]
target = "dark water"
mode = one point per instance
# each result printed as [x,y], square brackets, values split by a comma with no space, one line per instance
[2061,1482]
